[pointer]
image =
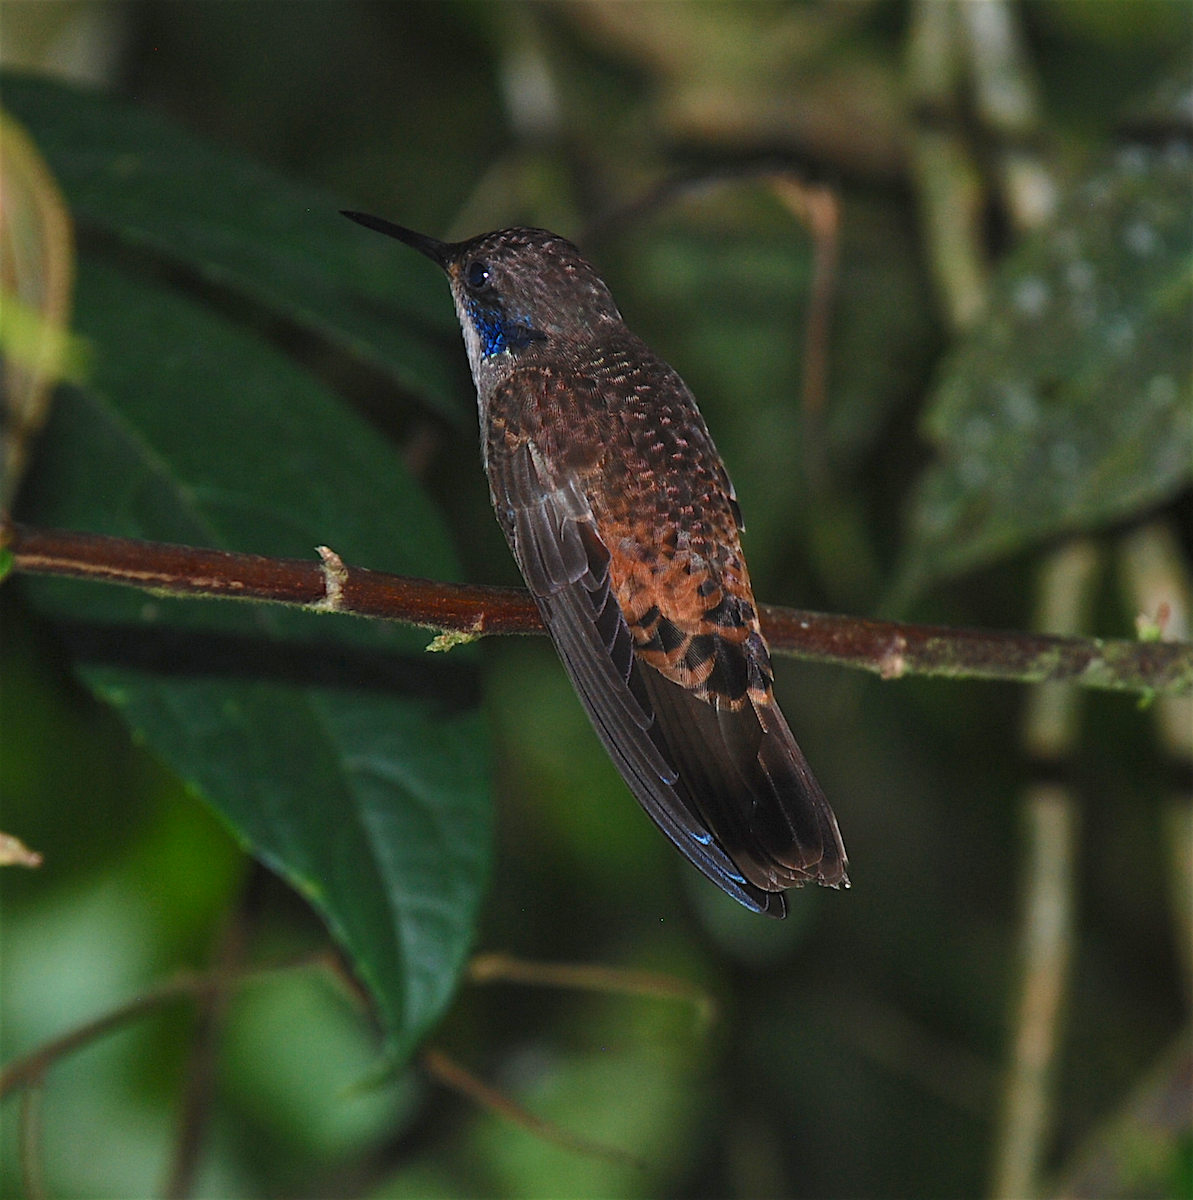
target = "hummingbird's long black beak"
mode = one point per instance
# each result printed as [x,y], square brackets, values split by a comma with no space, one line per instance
[435,250]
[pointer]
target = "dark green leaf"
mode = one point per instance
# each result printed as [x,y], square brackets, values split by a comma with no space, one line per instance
[1069,406]
[343,755]
[135,177]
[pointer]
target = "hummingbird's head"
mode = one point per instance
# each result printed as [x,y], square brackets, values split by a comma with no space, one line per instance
[514,289]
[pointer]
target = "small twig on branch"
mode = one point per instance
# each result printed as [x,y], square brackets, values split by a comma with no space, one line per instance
[888,648]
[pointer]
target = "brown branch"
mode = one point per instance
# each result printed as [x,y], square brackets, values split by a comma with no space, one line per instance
[329,586]
[888,648]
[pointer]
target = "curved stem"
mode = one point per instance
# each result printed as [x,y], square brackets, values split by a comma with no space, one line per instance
[590,977]
[452,1075]
[28,1070]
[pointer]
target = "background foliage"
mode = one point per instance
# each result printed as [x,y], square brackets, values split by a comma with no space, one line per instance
[266,377]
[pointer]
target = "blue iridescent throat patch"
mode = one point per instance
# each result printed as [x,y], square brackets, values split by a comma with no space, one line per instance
[498,333]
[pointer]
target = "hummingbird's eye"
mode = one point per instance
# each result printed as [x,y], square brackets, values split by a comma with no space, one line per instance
[476,274]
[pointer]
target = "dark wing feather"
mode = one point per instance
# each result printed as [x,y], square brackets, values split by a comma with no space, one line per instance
[553,535]
[752,786]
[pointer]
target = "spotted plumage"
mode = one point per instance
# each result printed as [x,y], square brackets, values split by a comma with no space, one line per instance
[627,531]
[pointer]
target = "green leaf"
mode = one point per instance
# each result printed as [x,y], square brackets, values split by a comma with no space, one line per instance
[338,751]
[146,184]
[1069,406]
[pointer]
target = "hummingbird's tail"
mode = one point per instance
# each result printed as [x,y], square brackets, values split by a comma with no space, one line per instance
[743,775]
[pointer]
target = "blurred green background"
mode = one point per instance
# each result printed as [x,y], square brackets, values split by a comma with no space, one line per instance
[858,1047]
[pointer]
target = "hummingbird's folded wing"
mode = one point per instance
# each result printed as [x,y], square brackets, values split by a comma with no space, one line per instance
[682,585]
[551,531]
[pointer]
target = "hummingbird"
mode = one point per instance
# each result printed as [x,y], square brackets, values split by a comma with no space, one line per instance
[627,531]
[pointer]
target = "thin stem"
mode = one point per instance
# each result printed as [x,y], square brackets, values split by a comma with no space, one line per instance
[1046,947]
[890,649]
[196,1095]
[503,968]
[451,1074]
[818,208]
[199,1084]
[26,1071]
[1050,734]
[30,1142]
